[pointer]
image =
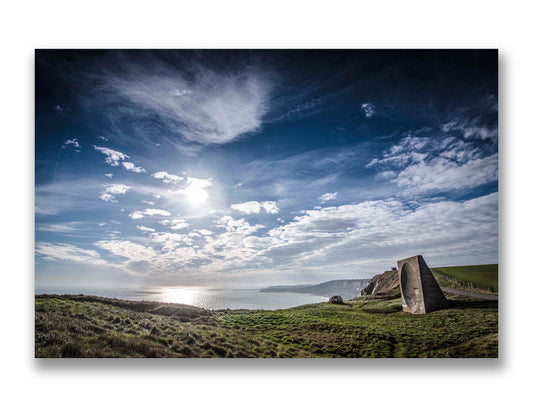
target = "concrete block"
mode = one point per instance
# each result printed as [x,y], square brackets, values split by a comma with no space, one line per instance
[420,291]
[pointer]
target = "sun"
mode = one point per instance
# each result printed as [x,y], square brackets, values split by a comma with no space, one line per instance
[196,193]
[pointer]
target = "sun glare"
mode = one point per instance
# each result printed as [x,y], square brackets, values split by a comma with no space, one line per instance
[195,195]
[180,295]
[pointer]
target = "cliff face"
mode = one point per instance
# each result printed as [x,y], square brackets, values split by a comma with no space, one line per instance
[347,289]
[385,284]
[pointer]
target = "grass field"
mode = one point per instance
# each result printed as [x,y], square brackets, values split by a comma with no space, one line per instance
[79,326]
[483,277]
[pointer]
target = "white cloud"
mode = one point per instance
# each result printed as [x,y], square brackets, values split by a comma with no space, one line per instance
[125,248]
[177,224]
[383,231]
[171,241]
[148,203]
[67,252]
[148,212]
[110,190]
[104,196]
[422,164]
[109,175]
[113,157]
[211,108]
[329,196]
[145,229]
[441,174]
[237,225]
[369,109]
[71,143]
[254,207]
[167,178]
[326,239]
[131,167]
[117,188]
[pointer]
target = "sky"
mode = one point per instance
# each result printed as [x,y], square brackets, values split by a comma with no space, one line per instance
[247,168]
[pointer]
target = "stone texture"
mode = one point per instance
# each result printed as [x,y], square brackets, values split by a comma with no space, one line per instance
[419,289]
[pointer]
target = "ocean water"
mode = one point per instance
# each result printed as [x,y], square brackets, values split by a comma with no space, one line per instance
[205,298]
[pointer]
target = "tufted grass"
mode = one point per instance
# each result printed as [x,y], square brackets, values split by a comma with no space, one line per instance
[78,326]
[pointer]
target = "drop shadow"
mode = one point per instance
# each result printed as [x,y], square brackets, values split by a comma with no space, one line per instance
[269,366]
[469,304]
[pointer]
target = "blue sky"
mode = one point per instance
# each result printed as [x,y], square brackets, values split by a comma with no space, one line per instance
[249,168]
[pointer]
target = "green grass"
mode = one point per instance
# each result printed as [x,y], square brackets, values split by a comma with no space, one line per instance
[483,277]
[78,326]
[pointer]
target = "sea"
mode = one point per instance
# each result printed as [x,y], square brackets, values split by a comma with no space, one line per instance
[212,299]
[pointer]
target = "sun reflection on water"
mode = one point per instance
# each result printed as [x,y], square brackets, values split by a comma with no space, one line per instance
[180,295]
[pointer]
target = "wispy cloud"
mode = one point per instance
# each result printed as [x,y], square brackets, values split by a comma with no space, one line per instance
[441,174]
[329,196]
[67,252]
[434,160]
[145,229]
[148,212]
[471,128]
[125,248]
[64,227]
[207,107]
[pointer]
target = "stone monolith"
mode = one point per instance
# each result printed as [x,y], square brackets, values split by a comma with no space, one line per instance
[420,291]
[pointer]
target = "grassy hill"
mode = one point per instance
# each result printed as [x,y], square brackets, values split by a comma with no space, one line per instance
[81,326]
[481,277]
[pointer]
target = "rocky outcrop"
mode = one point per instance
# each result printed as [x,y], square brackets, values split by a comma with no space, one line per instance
[336,299]
[383,285]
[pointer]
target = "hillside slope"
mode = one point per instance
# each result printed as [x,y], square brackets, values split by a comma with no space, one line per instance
[475,279]
[78,326]
[483,278]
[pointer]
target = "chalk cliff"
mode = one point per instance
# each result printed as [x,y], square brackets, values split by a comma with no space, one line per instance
[385,284]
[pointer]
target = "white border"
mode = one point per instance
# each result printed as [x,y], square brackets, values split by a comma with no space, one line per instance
[297,24]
